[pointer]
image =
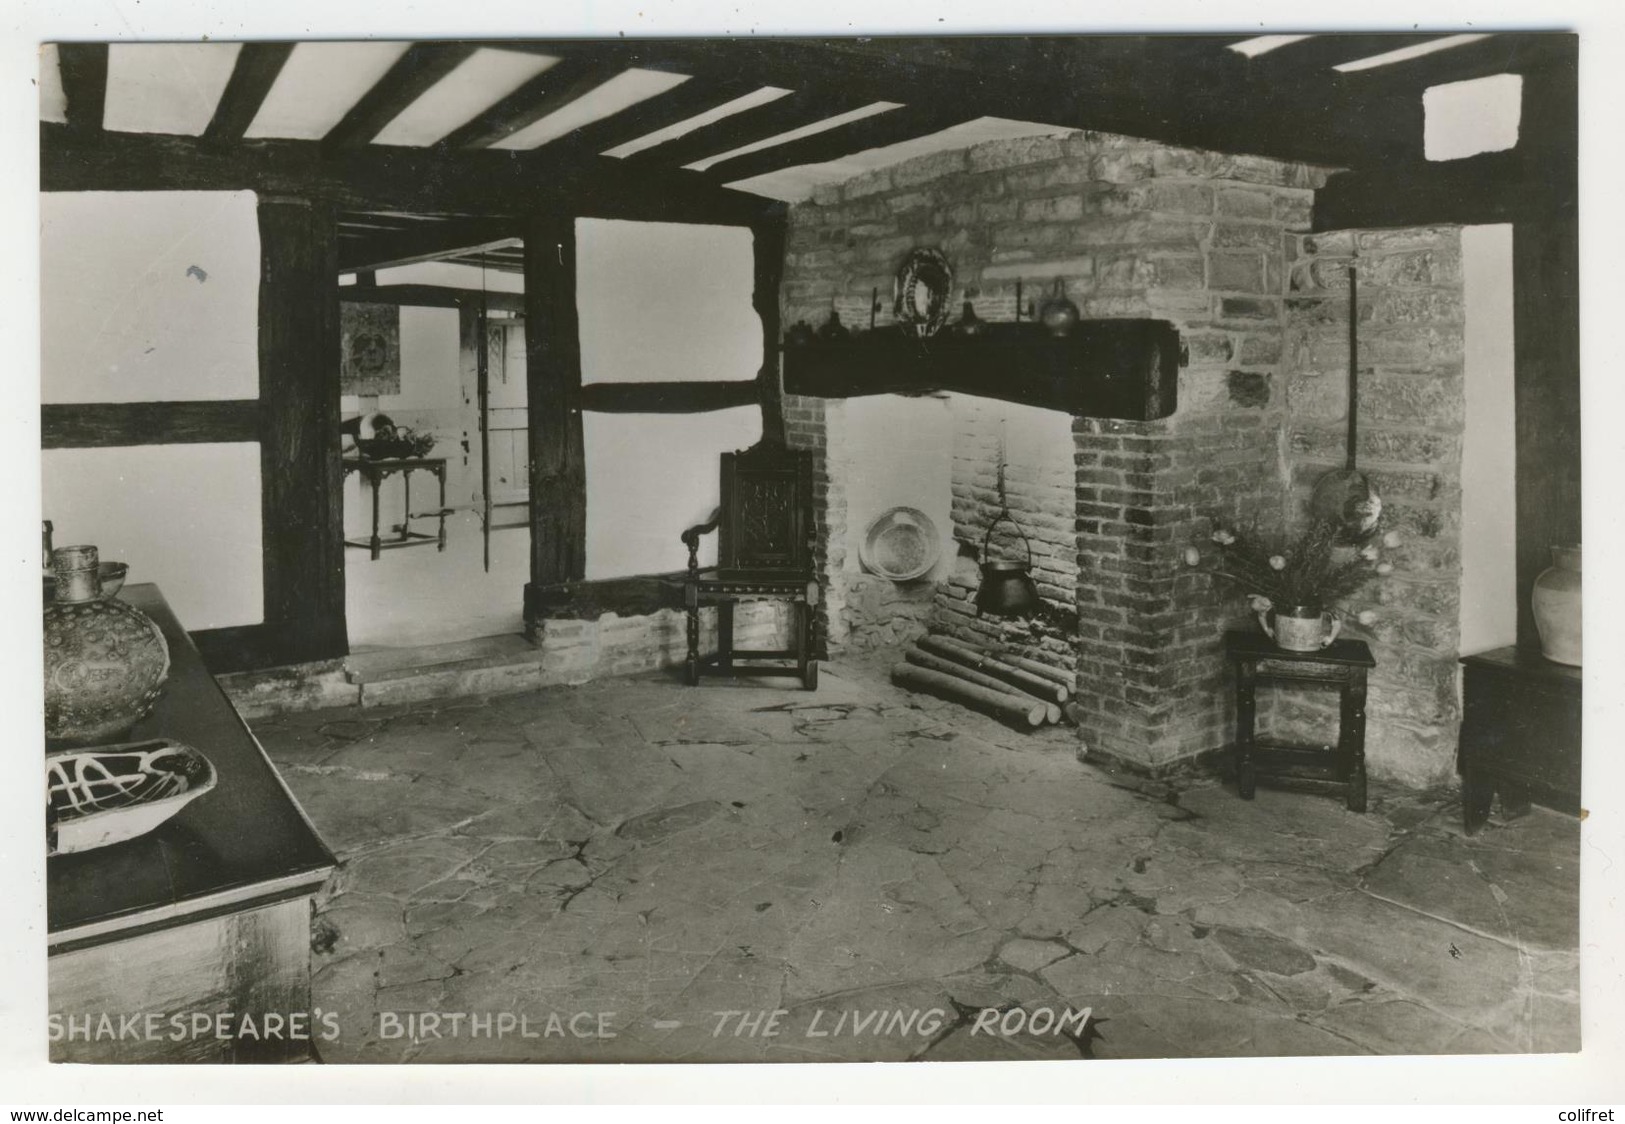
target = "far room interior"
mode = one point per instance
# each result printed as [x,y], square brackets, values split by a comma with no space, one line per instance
[667,526]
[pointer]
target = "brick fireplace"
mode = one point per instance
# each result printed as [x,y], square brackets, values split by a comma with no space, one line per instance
[1217,245]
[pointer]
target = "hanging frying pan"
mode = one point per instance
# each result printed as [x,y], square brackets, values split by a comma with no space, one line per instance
[1344,495]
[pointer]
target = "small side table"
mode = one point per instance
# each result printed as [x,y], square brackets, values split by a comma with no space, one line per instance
[375,472]
[1343,665]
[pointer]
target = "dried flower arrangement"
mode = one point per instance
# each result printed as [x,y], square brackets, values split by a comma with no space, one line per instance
[1307,574]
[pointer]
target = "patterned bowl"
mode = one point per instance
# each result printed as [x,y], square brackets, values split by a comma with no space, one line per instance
[112,793]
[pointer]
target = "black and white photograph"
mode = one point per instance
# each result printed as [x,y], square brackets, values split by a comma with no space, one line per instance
[643,547]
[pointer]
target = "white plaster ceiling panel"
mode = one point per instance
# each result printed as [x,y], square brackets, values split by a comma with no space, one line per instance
[699,120]
[1463,119]
[53,101]
[796,184]
[625,89]
[166,87]
[796,134]
[317,86]
[479,82]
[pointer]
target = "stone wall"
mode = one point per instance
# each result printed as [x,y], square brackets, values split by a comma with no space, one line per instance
[1412,340]
[1131,229]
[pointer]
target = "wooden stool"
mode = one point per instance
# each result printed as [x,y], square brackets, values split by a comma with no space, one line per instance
[1344,665]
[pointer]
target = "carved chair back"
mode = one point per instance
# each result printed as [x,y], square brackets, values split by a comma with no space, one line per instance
[767,513]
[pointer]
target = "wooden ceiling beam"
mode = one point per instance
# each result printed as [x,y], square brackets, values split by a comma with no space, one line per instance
[488,184]
[1501,53]
[432,296]
[1494,187]
[794,110]
[83,67]
[410,78]
[572,77]
[1318,54]
[690,99]
[1185,90]
[891,127]
[258,65]
[434,242]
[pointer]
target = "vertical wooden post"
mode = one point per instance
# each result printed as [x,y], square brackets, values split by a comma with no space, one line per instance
[1546,398]
[768,253]
[558,468]
[301,480]
[1546,335]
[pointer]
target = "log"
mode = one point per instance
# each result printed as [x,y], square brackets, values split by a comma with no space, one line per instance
[1064,678]
[1034,685]
[1011,708]
[1052,713]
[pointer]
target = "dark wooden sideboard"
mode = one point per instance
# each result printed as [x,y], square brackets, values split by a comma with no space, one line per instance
[1520,734]
[205,920]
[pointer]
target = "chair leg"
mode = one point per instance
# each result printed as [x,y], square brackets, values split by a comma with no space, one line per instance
[725,636]
[691,674]
[806,628]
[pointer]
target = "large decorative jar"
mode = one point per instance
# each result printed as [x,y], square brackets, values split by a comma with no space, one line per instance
[1556,602]
[105,661]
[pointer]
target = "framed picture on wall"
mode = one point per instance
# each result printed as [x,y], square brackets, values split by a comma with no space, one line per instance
[369,348]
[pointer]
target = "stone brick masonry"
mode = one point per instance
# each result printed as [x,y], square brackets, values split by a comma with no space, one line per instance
[1217,245]
[1129,228]
[1412,407]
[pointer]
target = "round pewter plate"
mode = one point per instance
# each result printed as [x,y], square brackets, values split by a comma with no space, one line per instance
[901,544]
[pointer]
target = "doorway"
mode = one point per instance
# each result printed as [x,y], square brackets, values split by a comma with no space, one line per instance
[446,580]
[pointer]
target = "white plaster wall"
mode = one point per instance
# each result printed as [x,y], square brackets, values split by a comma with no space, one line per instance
[649,477]
[184,516]
[661,302]
[665,302]
[1489,605]
[148,296]
[893,451]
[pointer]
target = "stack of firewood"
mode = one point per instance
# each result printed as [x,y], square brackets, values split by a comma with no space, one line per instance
[1022,692]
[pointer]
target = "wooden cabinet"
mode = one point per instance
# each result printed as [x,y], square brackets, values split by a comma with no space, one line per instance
[1520,734]
[189,942]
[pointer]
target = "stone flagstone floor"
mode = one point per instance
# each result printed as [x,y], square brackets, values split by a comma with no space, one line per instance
[655,855]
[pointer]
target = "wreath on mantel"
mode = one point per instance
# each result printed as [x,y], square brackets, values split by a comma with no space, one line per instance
[920,292]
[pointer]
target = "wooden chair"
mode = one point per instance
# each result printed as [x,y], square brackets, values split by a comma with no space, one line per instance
[764,553]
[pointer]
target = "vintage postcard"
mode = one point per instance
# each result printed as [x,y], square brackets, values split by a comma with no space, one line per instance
[785,549]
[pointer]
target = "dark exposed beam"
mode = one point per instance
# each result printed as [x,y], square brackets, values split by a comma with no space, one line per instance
[302,500]
[689,99]
[1536,180]
[1546,399]
[423,242]
[95,425]
[258,65]
[1493,187]
[758,123]
[558,467]
[1501,53]
[890,127]
[83,67]
[1167,88]
[666,397]
[387,177]
[570,78]
[1320,53]
[413,74]
[431,296]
